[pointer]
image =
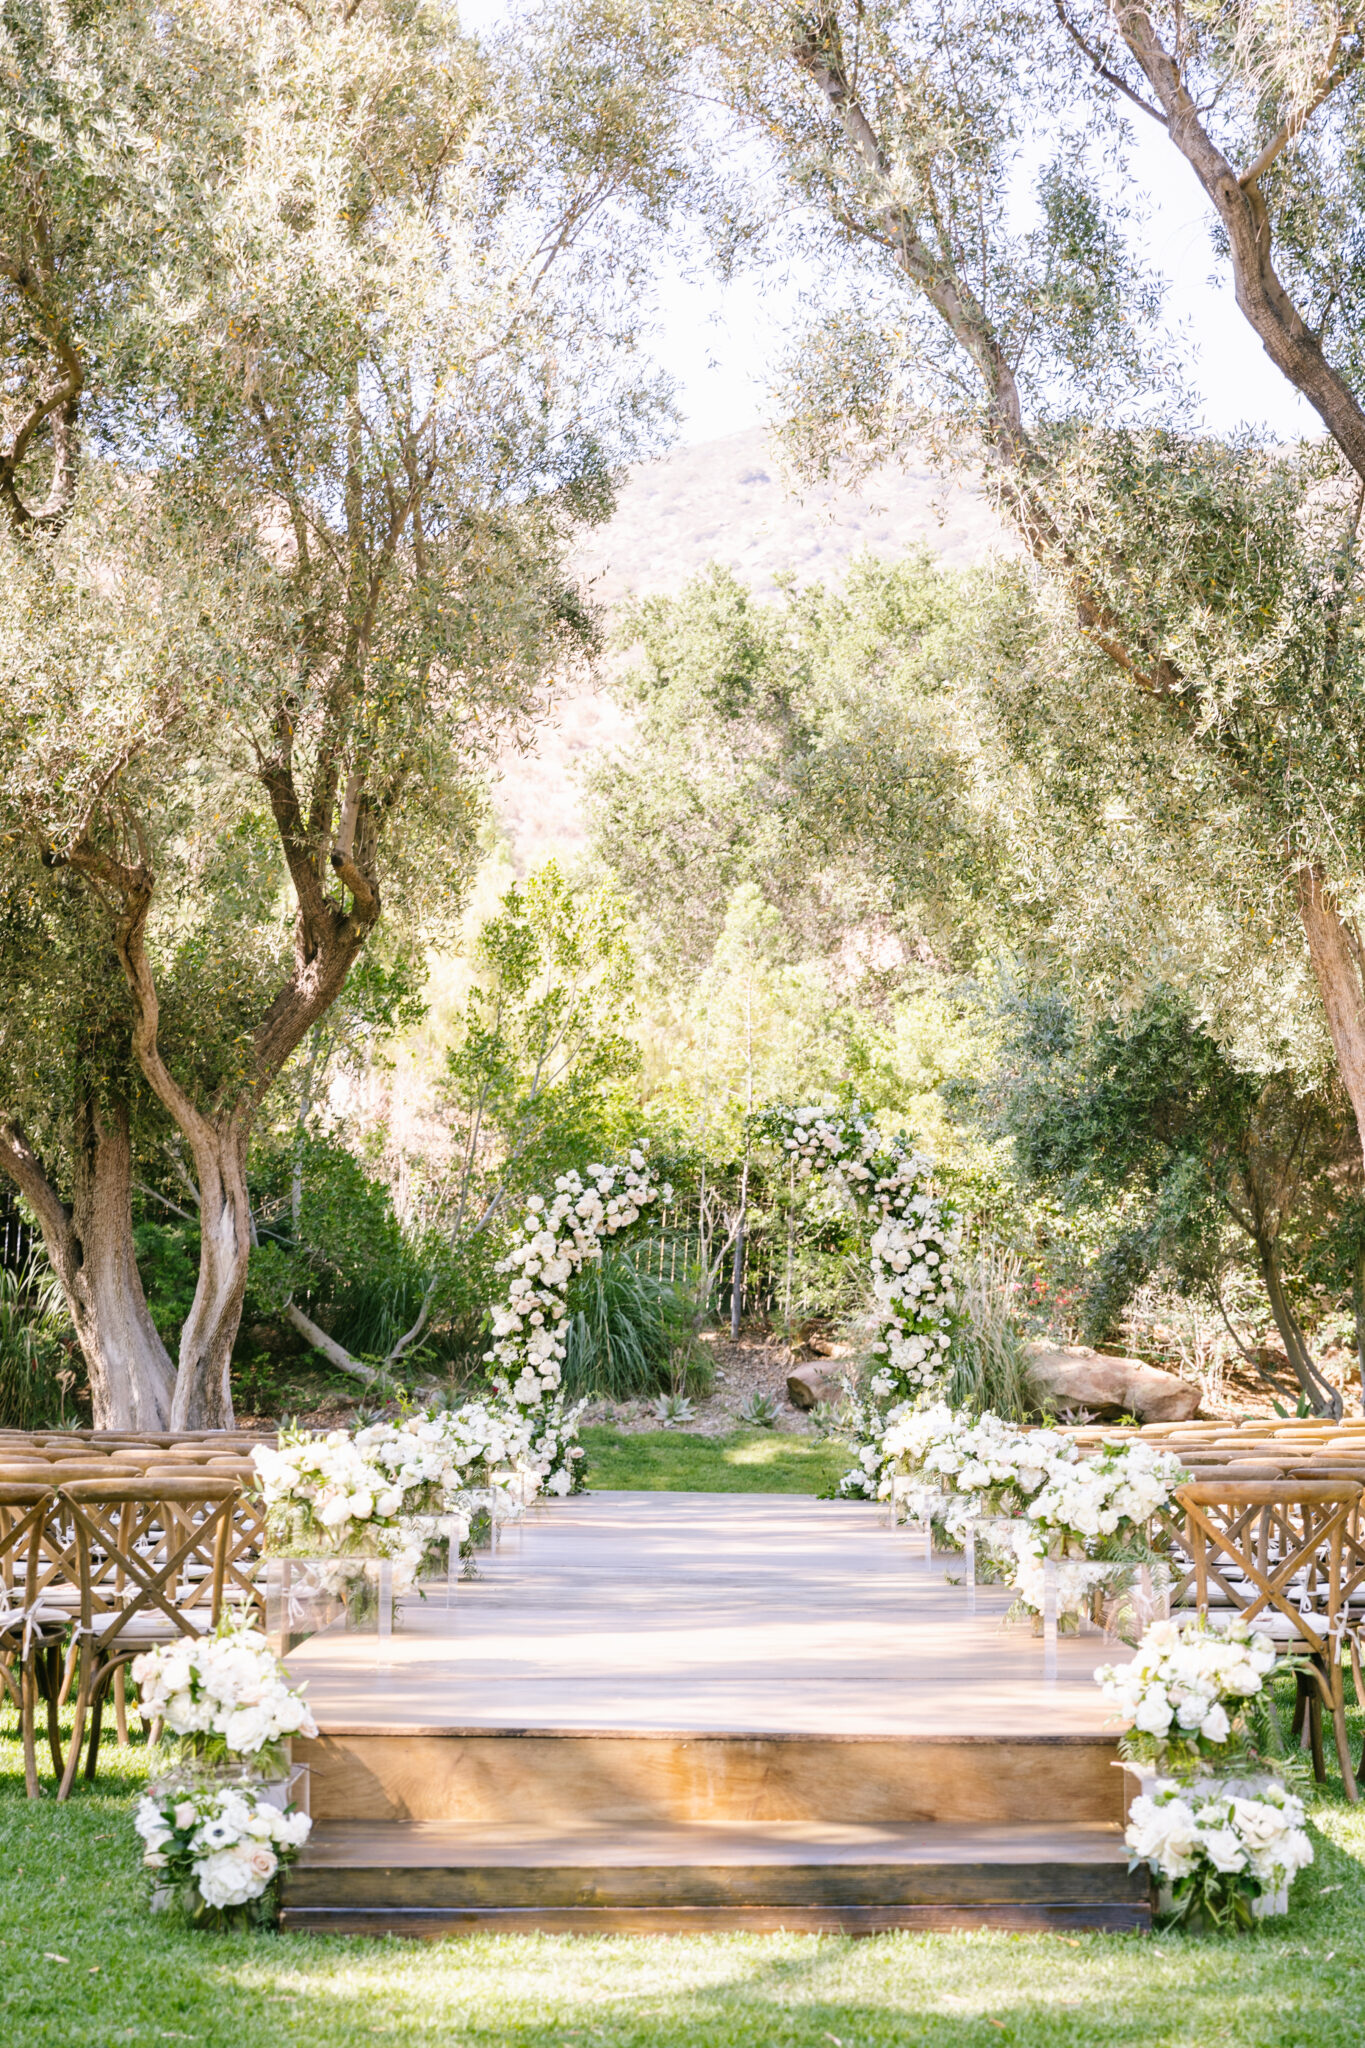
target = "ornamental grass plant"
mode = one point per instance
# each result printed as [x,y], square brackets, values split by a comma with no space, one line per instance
[629,1334]
[988,1367]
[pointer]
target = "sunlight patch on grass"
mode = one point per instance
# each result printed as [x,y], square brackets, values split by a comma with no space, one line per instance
[749,1461]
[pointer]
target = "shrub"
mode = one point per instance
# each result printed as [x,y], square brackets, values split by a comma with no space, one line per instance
[989,1369]
[628,1330]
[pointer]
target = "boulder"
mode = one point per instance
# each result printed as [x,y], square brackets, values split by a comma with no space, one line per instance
[1073,1376]
[808,1386]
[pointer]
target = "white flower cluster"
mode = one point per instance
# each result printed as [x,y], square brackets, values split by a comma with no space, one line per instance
[1093,1498]
[554,1449]
[381,1489]
[1184,1677]
[229,1686]
[1254,1830]
[1088,1505]
[994,1465]
[348,1490]
[228,1842]
[913,1246]
[555,1240]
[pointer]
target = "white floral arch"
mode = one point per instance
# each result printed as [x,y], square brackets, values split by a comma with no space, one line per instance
[554,1242]
[914,1243]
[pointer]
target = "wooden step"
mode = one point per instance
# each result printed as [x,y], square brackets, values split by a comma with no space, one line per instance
[484,1777]
[436,1878]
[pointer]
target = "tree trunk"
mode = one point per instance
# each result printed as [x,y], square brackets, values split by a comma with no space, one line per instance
[203,1393]
[1322,1398]
[335,1354]
[90,1246]
[1358,1304]
[1338,979]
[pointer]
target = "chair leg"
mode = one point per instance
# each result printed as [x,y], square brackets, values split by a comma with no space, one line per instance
[121,1707]
[1334,1693]
[97,1699]
[1297,1730]
[28,1693]
[83,1689]
[68,1674]
[1315,1735]
[51,1688]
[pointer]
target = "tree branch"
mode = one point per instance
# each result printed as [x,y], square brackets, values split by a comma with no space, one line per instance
[1109,77]
[1285,335]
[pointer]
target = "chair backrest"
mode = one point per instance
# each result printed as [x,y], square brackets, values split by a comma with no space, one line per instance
[1252,1539]
[150,1547]
[37,1555]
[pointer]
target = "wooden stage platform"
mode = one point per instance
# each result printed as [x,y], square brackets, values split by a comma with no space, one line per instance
[699,1710]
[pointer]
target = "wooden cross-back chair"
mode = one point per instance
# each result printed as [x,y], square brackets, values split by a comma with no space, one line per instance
[151,1558]
[1272,1550]
[242,1587]
[36,1571]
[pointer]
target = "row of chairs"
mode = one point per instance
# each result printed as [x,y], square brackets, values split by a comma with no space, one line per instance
[1288,1555]
[96,1567]
[1272,1524]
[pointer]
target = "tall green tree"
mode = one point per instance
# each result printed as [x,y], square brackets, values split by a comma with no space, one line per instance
[1215,588]
[1191,1163]
[316,327]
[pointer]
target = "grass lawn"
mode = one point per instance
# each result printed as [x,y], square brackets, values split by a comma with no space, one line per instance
[750,1461]
[83,1964]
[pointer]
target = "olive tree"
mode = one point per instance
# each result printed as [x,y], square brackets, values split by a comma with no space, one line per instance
[316,326]
[1018,329]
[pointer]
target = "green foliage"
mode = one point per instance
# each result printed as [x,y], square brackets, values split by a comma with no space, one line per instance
[777,744]
[35,1372]
[351,1266]
[629,1333]
[168,1262]
[1186,1162]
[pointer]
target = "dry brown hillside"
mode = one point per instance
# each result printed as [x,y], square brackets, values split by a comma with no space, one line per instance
[723,501]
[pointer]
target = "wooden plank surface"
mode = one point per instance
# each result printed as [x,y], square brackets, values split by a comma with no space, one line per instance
[412,1866]
[435,1844]
[577,1779]
[676,1614]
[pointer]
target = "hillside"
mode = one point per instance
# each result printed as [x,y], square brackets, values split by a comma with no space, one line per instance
[723,501]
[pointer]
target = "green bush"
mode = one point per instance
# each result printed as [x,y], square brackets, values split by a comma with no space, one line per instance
[33,1319]
[629,1333]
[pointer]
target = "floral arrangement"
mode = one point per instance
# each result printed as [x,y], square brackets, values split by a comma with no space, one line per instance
[1221,1832]
[1090,1514]
[351,1491]
[1223,1853]
[554,1449]
[225,1696]
[914,1242]
[988,1465]
[1190,1691]
[214,1849]
[554,1241]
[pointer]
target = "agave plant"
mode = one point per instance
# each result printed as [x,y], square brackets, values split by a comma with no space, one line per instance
[760,1411]
[674,1408]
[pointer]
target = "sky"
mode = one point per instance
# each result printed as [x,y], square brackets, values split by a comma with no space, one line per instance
[717,341]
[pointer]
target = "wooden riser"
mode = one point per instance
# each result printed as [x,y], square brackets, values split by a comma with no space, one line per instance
[432,1879]
[422,1923]
[584,1778]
